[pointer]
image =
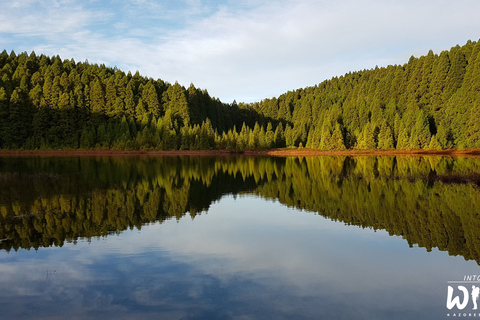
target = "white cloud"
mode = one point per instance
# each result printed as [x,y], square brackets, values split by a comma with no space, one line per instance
[244,50]
[45,19]
[286,45]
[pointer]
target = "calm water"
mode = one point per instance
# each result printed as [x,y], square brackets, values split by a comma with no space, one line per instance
[237,238]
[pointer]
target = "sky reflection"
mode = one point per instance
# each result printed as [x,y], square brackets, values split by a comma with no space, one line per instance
[246,258]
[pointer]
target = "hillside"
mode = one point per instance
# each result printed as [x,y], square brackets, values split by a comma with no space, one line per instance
[431,102]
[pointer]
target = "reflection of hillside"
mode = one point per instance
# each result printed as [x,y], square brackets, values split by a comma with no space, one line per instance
[46,201]
[389,193]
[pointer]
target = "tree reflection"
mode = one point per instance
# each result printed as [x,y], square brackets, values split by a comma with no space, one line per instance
[429,201]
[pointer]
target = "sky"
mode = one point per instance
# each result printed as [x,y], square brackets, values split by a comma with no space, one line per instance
[243,50]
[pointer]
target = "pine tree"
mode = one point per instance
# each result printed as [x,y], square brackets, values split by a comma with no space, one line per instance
[279,137]
[367,141]
[254,137]
[207,135]
[118,108]
[174,99]
[110,97]
[3,116]
[434,144]
[472,133]
[243,137]
[325,140]
[18,124]
[420,137]
[150,98]
[97,98]
[403,142]
[385,137]
[269,136]
[141,113]
[129,102]
[337,139]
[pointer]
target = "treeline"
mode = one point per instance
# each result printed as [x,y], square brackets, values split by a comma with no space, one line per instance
[431,102]
[50,103]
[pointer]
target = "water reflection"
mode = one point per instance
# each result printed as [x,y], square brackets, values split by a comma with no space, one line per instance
[47,201]
[244,260]
[235,237]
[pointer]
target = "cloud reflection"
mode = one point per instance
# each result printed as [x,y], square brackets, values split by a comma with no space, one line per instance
[246,258]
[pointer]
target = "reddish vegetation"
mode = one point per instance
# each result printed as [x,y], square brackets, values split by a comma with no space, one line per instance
[311,152]
[285,152]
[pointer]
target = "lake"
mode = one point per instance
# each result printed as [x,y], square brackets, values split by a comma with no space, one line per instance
[330,237]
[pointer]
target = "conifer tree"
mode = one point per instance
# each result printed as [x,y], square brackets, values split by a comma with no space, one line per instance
[110,97]
[279,137]
[129,102]
[243,137]
[289,136]
[261,138]
[269,136]
[420,137]
[97,98]
[434,144]
[18,124]
[3,116]
[442,136]
[325,140]
[141,113]
[385,137]
[337,139]
[150,98]
[118,108]
[367,141]
[403,142]
[472,133]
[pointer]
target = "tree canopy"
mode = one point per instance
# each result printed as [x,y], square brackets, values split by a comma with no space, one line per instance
[429,102]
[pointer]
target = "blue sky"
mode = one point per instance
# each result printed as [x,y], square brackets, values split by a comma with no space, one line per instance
[245,50]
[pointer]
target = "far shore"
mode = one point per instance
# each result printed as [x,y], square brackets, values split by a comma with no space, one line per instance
[282,152]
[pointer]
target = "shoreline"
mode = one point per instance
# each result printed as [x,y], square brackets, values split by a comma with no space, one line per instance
[283,152]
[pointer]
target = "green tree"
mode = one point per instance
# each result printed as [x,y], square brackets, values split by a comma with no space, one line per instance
[150,98]
[174,99]
[4,113]
[279,136]
[434,144]
[367,141]
[420,137]
[337,139]
[129,102]
[325,140]
[385,137]
[18,120]
[269,136]
[403,142]
[472,134]
[97,98]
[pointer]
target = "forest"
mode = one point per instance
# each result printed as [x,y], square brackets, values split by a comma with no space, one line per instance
[49,201]
[431,102]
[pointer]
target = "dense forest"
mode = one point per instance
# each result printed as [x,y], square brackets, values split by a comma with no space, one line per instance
[431,102]
[47,201]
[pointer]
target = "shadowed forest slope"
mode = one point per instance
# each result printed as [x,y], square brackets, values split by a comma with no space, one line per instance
[431,102]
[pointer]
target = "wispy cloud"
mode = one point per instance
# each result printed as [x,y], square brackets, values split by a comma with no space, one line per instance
[244,50]
[45,19]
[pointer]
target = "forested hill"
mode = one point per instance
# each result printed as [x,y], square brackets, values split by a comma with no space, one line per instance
[431,102]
